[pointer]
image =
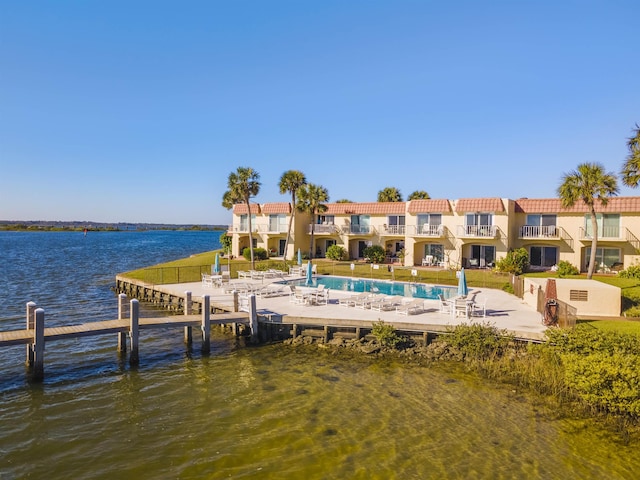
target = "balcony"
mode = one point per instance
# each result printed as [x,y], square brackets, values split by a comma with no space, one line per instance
[323,229]
[428,230]
[604,233]
[242,228]
[272,228]
[357,230]
[537,231]
[397,230]
[477,231]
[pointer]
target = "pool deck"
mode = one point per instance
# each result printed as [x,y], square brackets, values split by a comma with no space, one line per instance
[503,310]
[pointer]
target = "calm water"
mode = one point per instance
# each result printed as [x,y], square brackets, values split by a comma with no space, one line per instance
[248,412]
[404,289]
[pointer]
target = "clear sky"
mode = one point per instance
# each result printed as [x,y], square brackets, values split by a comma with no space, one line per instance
[137,111]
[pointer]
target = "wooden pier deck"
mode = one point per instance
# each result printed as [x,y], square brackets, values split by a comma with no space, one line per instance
[36,336]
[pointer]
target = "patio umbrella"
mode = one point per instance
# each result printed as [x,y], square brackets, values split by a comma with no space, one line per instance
[550,303]
[463,291]
[309,279]
[299,257]
[216,265]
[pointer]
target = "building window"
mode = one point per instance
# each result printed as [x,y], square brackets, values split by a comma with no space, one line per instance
[436,251]
[539,225]
[478,224]
[278,223]
[395,224]
[360,224]
[429,223]
[482,256]
[608,225]
[543,256]
[605,258]
[326,219]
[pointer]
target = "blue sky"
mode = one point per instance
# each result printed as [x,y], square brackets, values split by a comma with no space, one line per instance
[137,111]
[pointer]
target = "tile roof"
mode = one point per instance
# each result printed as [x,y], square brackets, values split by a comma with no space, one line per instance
[282,207]
[553,205]
[479,205]
[241,209]
[371,208]
[429,206]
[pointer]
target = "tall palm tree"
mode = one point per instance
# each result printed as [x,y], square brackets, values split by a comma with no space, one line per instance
[310,201]
[631,168]
[389,194]
[291,181]
[242,185]
[419,195]
[589,183]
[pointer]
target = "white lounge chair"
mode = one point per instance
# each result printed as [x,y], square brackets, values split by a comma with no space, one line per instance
[413,307]
[445,305]
[351,300]
[386,303]
[479,309]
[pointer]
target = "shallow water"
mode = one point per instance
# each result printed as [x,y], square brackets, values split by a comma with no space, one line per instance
[271,411]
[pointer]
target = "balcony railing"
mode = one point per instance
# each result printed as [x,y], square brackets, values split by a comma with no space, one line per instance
[612,232]
[393,230]
[270,228]
[358,230]
[538,231]
[477,231]
[428,230]
[322,229]
[242,228]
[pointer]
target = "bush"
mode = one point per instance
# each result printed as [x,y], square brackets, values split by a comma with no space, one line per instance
[386,335]
[632,272]
[336,252]
[375,254]
[566,268]
[258,254]
[477,341]
[516,262]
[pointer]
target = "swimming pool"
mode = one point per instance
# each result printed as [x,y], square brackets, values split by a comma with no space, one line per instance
[417,290]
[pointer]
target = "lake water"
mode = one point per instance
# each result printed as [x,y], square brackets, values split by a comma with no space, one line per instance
[264,412]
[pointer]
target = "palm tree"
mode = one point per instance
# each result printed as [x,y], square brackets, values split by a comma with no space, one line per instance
[242,185]
[419,195]
[589,183]
[344,200]
[631,169]
[389,194]
[291,181]
[310,201]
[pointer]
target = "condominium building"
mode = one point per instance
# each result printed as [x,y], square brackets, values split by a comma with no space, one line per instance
[467,232]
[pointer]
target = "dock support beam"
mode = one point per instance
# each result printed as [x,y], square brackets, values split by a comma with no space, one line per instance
[206,324]
[188,331]
[253,318]
[31,320]
[38,346]
[122,336]
[134,359]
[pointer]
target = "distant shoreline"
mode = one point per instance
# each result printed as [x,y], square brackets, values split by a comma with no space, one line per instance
[94,228]
[59,226]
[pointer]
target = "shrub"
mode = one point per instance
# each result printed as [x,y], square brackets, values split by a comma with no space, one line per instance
[477,341]
[336,252]
[374,253]
[566,268]
[516,262]
[632,271]
[385,334]
[258,254]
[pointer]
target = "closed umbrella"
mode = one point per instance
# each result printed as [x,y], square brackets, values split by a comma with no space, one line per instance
[309,280]
[463,291]
[299,257]
[216,265]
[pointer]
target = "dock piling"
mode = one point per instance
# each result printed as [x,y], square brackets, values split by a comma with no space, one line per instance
[206,324]
[38,346]
[188,331]
[31,318]
[122,336]
[253,318]
[134,332]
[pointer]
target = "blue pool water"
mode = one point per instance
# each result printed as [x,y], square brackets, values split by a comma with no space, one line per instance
[417,290]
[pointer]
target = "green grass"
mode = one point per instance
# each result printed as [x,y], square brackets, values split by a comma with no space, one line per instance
[621,326]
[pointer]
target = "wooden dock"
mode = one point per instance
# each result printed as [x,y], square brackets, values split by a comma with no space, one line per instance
[36,336]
